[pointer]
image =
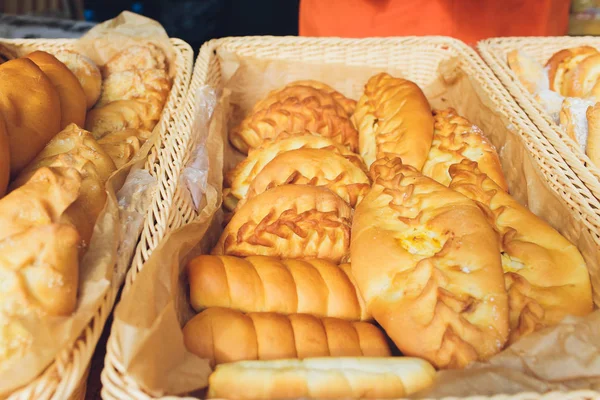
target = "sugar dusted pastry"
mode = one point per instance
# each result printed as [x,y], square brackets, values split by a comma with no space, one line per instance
[574,121]
[140,57]
[293,221]
[393,116]
[456,139]
[151,85]
[545,275]
[531,73]
[551,102]
[562,63]
[428,266]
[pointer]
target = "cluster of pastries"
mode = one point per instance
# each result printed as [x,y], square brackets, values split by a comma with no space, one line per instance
[53,174]
[357,222]
[568,88]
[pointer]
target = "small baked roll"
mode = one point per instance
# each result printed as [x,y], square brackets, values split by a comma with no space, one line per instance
[564,61]
[456,139]
[546,276]
[393,116]
[31,108]
[295,114]
[120,115]
[551,102]
[238,179]
[573,119]
[530,73]
[123,145]
[4,157]
[70,92]
[314,167]
[7,53]
[141,57]
[293,221]
[222,335]
[582,78]
[151,85]
[87,73]
[593,138]
[427,264]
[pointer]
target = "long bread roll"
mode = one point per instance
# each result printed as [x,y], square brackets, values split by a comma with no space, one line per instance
[270,284]
[427,263]
[546,277]
[321,378]
[223,335]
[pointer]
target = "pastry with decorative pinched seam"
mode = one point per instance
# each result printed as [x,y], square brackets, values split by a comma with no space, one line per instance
[123,145]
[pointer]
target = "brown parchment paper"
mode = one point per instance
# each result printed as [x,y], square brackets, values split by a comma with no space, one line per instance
[148,320]
[105,263]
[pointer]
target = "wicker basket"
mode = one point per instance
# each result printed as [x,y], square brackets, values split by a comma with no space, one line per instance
[425,55]
[494,52]
[66,377]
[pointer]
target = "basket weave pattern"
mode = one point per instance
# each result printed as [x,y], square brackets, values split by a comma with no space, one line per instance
[66,377]
[419,65]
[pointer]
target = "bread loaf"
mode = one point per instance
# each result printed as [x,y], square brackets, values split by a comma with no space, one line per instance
[321,378]
[31,109]
[120,115]
[138,56]
[293,221]
[530,73]
[314,167]
[70,92]
[393,116]
[546,276]
[4,157]
[86,72]
[560,65]
[123,145]
[427,264]
[269,284]
[223,335]
[238,179]
[456,139]
[593,137]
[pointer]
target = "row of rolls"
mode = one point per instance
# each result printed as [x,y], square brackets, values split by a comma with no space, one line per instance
[368,244]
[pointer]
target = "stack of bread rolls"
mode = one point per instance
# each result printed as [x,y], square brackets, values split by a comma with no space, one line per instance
[568,88]
[357,222]
[54,173]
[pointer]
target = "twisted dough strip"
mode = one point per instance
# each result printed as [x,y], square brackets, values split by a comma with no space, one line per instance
[270,284]
[223,335]
[545,275]
[427,264]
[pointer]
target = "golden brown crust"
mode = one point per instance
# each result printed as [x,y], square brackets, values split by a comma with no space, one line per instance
[87,73]
[393,116]
[151,86]
[239,178]
[293,221]
[142,57]
[581,79]
[270,284]
[120,115]
[546,276]
[530,73]
[564,61]
[427,264]
[314,167]
[271,336]
[123,145]
[4,157]
[456,139]
[7,53]
[593,138]
[573,120]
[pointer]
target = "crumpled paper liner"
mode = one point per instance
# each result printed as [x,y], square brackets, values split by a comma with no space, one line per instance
[148,320]
[115,235]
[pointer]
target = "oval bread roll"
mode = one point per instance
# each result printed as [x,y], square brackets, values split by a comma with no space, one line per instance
[223,335]
[293,221]
[120,115]
[72,98]
[314,167]
[546,276]
[31,109]
[4,157]
[393,116]
[140,57]
[270,284]
[427,264]
[152,86]
[321,378]
[86,72]
[456,139]
[238,179]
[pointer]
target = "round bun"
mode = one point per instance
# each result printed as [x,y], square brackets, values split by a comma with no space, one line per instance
[31,109]
[87,73]
[4,158]
[70,92]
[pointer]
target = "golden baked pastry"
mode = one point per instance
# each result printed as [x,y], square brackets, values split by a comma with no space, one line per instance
[238,179]
[456,139]
[593,137]
[393,116]
[31,109]
[120,115]
[4,157]
[70,92]
[86,72]
[562,62]
[546,276]
[427,264]
[293,221]
[574,121]
[223,335]
[314,167]
[580,81]
[295,114]
[270,284]
[140,57]
[530,73]
[151,85]
[7,53]
[123,145]
[321,378]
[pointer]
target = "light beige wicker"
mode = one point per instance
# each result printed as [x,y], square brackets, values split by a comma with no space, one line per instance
[66,377]
[494,53]
[420,65]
